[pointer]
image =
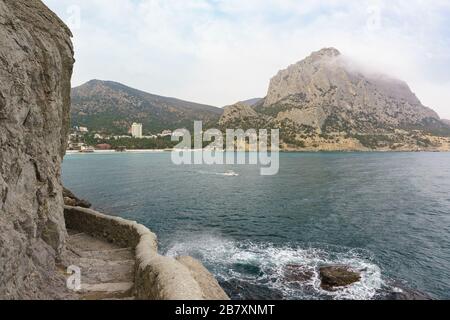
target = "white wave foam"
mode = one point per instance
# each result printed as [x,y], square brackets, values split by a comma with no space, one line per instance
[265,264]
[229,173]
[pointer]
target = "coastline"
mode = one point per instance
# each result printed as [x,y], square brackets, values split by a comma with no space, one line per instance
[72,152]
[113,151]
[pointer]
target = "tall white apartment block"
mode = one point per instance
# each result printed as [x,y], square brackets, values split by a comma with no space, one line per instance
[136,130]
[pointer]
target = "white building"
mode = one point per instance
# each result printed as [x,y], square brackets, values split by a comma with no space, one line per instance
[121,137]
[165,133]
[136,130]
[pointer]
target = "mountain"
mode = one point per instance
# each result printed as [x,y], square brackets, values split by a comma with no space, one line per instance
[324,102]
[327,102]
[251,102]
[107,106]
[238,115]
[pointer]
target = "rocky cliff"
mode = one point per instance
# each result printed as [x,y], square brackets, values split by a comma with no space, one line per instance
[329,83]
[36,59]
[328,102]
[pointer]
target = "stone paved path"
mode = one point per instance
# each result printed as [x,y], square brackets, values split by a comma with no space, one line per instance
[107,271]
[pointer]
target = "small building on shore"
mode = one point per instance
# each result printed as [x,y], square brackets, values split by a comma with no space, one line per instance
[121,149]
[103,146]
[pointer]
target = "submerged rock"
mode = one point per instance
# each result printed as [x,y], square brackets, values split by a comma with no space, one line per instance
[333,277]
[71,200]
[406,295]
[297,273]
[239,289]
[401,292]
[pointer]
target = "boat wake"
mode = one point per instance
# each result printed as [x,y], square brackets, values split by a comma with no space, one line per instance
[261,271]
[229,173]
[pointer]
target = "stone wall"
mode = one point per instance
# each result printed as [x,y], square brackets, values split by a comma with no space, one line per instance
[157,277]
[36,59]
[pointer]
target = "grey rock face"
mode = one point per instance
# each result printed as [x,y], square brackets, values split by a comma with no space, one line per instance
[238,111]
[332,85]
[72,200]
[36,59]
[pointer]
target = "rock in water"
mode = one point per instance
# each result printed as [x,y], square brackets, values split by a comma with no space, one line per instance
[208,284]
[71,199]
[398,291]
[297,273]
[337,276]
[36,60]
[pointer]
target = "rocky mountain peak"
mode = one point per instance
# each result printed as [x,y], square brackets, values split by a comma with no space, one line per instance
[326,53]
[328,102]
[317,71]
[326,83]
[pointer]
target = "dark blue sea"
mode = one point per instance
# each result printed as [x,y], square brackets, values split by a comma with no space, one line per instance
[385,214]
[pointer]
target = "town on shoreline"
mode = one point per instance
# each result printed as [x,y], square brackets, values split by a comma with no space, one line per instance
[82,140]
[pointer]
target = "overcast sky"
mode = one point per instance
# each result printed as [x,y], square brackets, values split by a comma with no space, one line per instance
[221,51]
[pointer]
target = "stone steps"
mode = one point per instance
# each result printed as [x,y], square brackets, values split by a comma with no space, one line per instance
[84,242]
[110,255]
[107,271]
[101,271]
[106,291]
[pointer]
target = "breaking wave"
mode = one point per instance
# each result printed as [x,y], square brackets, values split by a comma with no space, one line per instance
[250,270]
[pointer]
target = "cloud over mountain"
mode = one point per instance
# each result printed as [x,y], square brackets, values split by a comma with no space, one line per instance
[217,52]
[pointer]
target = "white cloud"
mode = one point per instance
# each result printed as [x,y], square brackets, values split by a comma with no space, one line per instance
[221,51]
